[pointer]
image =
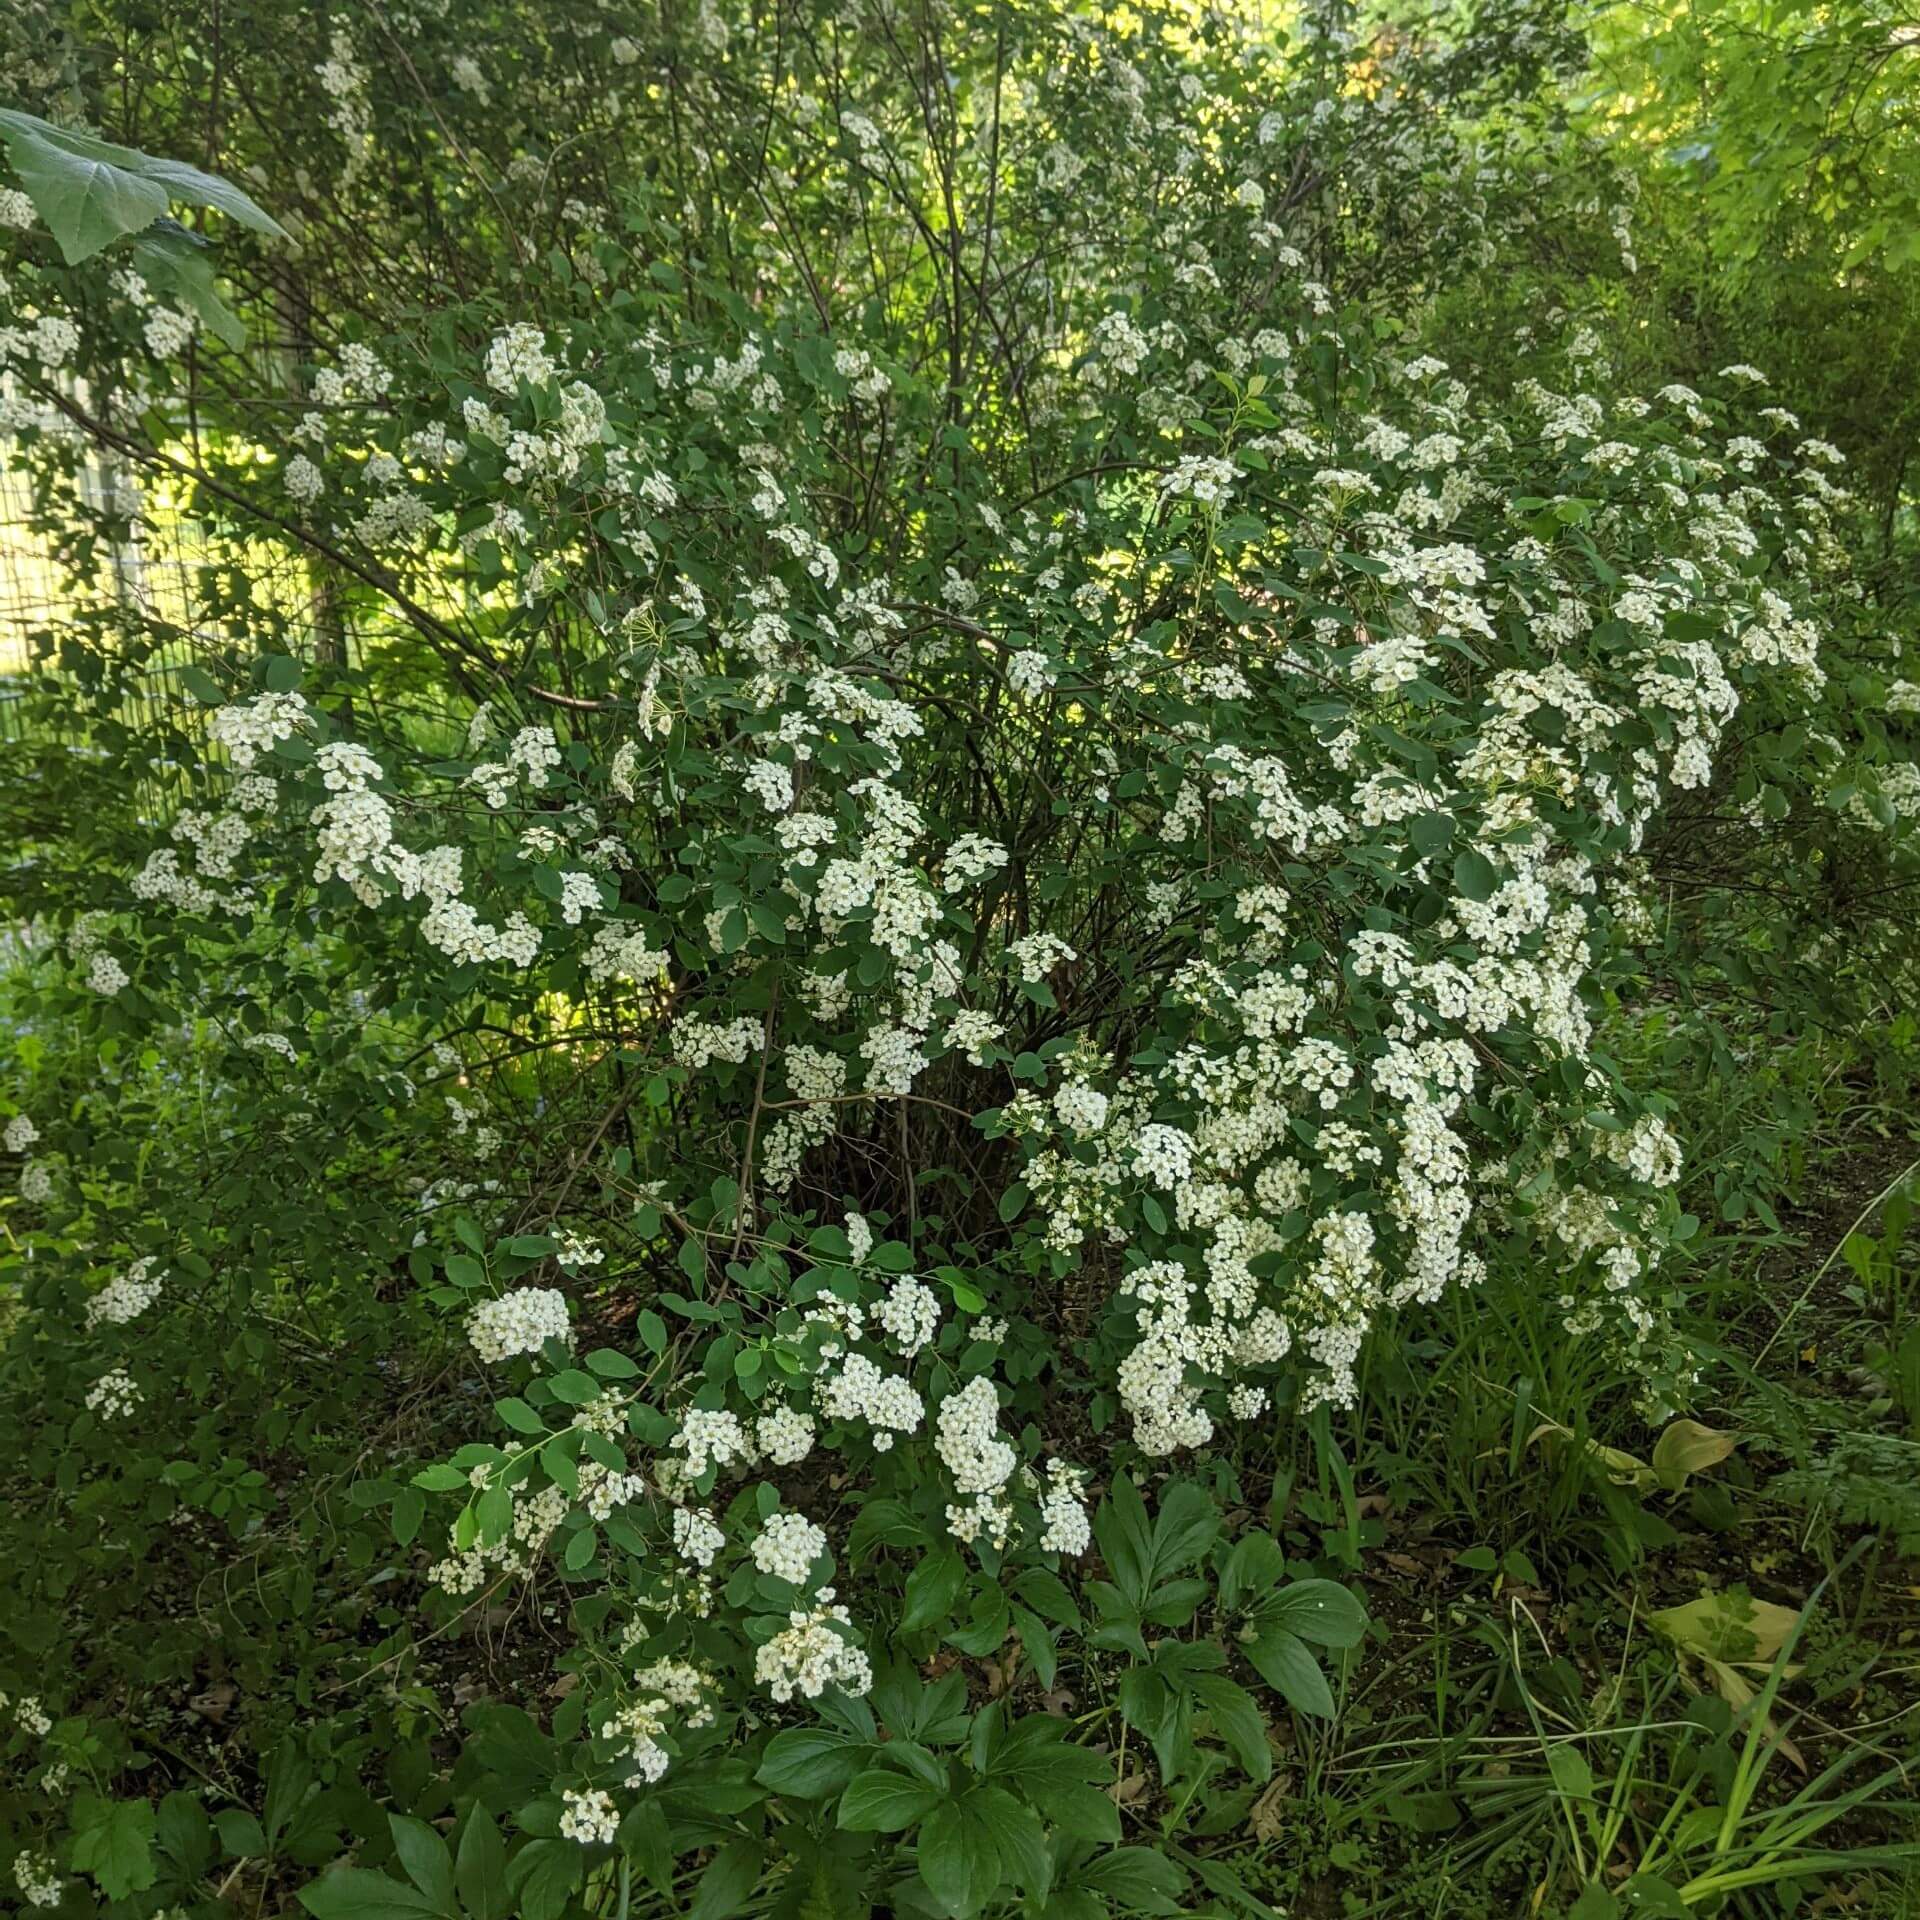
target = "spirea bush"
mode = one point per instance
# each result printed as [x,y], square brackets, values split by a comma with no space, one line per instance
[1065,892]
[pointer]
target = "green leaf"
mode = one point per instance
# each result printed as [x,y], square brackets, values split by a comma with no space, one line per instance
[883,1801]
[353,1893]
[1016,1834]
[184,1834]
[480,1869]
[92,193]
[1236,1719]
[1285,1664]
[1252,1571]
[809,1763]
[1083,1811]
[515,1413]
[1320,1611]
[932,1588]
[87,198]
[178,265]
[289,1775]
[1184,1528]
[728,1880]
[424,1856]
[239,1833]
[113,1841]
[1129,1870]
[610,1364]
[1473,875]
[409,1509]
[543,1876]
[958,1859]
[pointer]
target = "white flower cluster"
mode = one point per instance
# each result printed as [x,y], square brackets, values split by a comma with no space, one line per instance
[981,1463]
[125,1297]
[787,1547]
[37,1878]
[712,1439]
[114,1395]
[909,1316]
[1065,1527]
[814,1651]
[785,1436]
[589,1817]
[696,1537]
[516,356]
[519,1322]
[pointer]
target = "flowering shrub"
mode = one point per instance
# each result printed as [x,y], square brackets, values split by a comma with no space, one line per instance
[1053,890]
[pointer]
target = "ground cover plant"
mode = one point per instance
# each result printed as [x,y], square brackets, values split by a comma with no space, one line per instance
[960,964]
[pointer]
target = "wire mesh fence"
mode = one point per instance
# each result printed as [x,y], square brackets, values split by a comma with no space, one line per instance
[160,585]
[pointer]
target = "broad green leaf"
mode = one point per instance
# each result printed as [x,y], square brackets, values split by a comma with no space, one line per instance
[353,1893]
[113,1841]
[178,265]
[480,1868]
[1320,1611]
[932,1588]
[1284,1661]
[424,1857]
[958,1858]
[883,1801]
[92,193]
[810,1763]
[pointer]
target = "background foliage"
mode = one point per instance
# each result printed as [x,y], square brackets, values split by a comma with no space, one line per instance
[997,421]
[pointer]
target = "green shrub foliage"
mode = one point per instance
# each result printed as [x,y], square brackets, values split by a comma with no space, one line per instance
[978,824]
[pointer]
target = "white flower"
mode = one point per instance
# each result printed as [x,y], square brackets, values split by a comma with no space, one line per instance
[124,1298]
[711,1438]
[813,1652]
[1030,672]
[106,975]
[35,1873]
[1063,1514]
[787,1546]
[114,1395]
[968,1438]
[696,1539]
[588,1817]
[1080,1108]
[519,1322]
[519,355]
[302,480]
[784,1436]
[909,1315]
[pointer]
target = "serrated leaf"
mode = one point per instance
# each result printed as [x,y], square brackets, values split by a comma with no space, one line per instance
[92,193]
[113,1841]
